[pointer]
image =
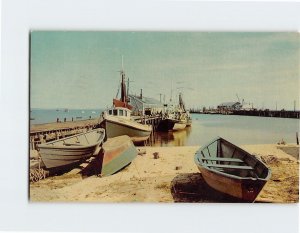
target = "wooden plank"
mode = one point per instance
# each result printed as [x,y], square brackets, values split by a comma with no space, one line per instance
[223,159]
[230,166]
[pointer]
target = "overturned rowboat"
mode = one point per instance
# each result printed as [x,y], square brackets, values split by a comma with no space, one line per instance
[71,150]
[115,154]
[231,170]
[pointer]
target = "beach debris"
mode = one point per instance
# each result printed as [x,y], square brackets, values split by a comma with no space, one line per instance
[37,174]
[178,167]
[141,151]
[270,159]
[155,155]
[282,142]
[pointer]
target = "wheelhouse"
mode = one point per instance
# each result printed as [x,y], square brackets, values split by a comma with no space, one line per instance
[119,112]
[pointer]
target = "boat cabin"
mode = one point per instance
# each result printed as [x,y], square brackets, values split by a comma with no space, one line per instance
[119,112]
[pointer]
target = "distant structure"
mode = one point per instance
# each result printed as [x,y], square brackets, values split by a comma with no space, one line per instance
[145,105]
[247,107]
[229,106]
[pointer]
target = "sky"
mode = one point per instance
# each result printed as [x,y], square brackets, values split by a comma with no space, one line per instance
[80,70]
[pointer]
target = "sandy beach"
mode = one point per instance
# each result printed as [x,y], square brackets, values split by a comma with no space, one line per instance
[173,177]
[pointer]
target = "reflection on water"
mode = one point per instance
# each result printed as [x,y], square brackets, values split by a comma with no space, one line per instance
[237,129]
[176,138]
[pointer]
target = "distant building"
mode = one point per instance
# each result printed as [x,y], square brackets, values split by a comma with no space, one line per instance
[247,107]
[229,106]
[144,105]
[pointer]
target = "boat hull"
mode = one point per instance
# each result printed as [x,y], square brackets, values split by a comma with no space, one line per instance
[71,150]
[246,190]
[118,152]
[166,125]
[189,123]
[116,128]
[231,170]
[62,157]
[179,126]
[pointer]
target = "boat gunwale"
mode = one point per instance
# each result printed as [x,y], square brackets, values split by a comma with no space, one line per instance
[116,121]
[49,145]
[200,163]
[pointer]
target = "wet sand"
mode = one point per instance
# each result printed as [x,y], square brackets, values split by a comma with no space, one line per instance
[173,177]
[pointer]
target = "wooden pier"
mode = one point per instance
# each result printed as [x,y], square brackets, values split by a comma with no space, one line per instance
[259,113]
[41,133]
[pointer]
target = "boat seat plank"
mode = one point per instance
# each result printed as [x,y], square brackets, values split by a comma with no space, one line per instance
[223,159]
[72,144]
[230,166]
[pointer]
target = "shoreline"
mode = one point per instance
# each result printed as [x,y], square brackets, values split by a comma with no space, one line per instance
[173,177]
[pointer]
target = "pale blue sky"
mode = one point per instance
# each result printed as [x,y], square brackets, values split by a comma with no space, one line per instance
[80,69]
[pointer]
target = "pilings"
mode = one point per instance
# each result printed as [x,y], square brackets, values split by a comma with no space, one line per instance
[259,113]
[52,131]
[42,133]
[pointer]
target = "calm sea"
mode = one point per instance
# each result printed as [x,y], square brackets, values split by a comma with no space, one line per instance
[39,116]
[238,129]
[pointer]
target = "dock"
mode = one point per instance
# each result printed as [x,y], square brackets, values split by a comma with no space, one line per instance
[258,113]
[41,133]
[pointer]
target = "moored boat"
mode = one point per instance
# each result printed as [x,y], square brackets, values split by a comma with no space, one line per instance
[70,150]
[117,122]
[231,170]
[189,122]
[166,124]
[181,124]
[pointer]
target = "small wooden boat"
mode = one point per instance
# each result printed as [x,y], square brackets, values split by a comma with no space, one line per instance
[231,170]
[71,149]
[117,122]
[117,153]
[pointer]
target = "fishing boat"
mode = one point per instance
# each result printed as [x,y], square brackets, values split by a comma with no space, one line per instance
[70,150]
[181,124]
[118,152]
[166,124]
[231,170]
[123,102]
[181,120]
[188,119]
[176,117]
[117,122]
[189,122]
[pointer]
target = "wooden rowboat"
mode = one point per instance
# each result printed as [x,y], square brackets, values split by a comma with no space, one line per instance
[71,149]
[117,153]
[231,170]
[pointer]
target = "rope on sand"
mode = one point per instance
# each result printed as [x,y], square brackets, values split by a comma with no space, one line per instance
[37,174]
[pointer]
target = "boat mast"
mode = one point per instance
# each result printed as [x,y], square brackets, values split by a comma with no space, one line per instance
[181,104]
[171,90]
[123,86]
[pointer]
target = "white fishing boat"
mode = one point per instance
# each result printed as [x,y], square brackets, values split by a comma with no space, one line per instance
[71,149]
[117,122]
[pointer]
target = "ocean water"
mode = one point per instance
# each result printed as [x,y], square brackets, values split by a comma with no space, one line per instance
[40,116]
[205,127]
[237,129]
